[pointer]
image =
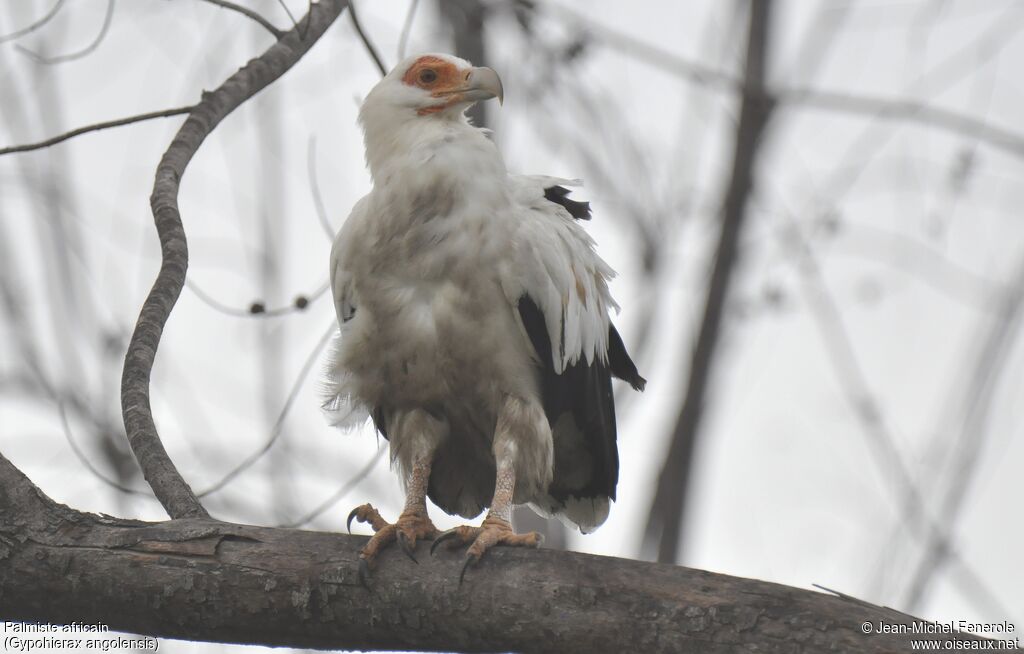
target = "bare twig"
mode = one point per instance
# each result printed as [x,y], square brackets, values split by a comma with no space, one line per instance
[339,494]
[403,40]
[34,26]
[990,362]
[256,310]
[167,483]
[95,128]
[896,109]
[314,189]
[276,432]
[87,50]
[863,403]
[913,111]
[249,13]
[80,455]
[666,512]
[288,11]
[370,49]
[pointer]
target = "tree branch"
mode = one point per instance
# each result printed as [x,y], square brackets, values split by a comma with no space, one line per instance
[882,108]
[666,513]
[108,18]
[34,26]
[200,579]
[95,128]
[911,111]
[167,483]
[370,49]
[249,13]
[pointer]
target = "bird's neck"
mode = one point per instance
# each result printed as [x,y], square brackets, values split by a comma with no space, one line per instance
[398,145]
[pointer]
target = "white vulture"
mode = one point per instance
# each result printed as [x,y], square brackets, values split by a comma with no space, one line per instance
[474,325]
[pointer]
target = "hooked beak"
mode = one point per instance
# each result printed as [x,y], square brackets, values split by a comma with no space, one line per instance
[482,83]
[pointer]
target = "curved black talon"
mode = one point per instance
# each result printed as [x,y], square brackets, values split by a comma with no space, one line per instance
[403,542]
[364,573]
[470,559]
[448,535]
[348,523]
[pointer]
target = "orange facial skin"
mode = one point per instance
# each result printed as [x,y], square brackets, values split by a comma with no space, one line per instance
[438,76]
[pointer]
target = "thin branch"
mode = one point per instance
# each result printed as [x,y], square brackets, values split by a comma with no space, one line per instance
[34,26]
[84,52]
[288,12]
[277,430]
[80,455]
[256,310]
[339,494]
[990,363]
[403,40]
[666,512]
[654,56]
[366,40]
[249,13]
[168,485]
[95,128]
[314,189]
[844,103]
[863,403]
[911,111]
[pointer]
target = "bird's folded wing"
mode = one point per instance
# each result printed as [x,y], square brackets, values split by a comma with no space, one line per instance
[341,406]
[552,262]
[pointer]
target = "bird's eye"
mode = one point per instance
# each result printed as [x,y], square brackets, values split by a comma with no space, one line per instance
[428,76]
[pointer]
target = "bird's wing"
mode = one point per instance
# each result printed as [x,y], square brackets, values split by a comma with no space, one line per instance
[341,406]
[558,285]
[553,263]
[342,289]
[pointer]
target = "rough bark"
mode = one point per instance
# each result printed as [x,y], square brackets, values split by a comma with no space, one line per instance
[200,579]
[170,488]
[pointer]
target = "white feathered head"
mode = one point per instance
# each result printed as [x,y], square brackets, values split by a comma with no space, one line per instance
[420,101]
[432,85]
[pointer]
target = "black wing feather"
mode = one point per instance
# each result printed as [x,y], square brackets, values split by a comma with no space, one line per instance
[584,391]
[560,195]
[622,366]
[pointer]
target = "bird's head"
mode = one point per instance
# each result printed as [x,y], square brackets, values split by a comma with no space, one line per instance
[419,103]
[432,85]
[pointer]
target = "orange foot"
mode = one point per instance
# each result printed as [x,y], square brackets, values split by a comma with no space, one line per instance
[493,531]
[411,525]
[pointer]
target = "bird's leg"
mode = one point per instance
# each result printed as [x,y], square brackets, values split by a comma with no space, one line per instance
[415,436]
[496,528]
[411,525]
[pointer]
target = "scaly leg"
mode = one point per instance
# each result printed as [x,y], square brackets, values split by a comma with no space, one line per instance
[497,526]
[412,524]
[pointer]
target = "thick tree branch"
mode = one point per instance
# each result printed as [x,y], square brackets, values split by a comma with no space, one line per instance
[200,579]
[168,485]
[666,513]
